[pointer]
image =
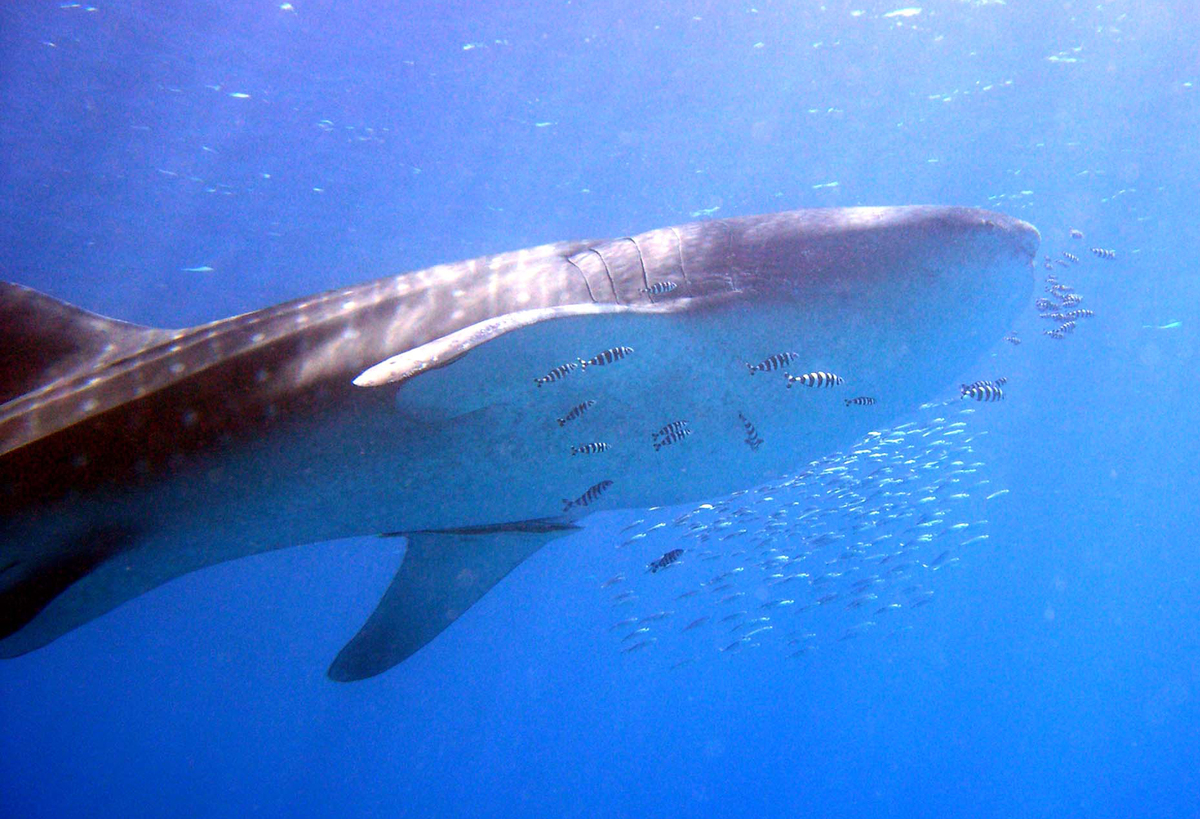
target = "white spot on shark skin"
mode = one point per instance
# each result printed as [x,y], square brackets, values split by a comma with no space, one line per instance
[257,338]
[177,368]
[348,305]
[89,405]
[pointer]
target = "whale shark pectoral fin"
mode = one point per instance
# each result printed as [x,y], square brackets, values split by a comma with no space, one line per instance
[442,575]
[444,350]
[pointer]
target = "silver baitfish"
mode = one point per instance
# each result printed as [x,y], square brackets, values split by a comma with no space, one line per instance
[593,492]
[590,448]
[772,362]
[576,411]
[606,357]
[815,379]
[557,373]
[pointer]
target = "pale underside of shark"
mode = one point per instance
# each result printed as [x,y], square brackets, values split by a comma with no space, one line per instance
[408,405]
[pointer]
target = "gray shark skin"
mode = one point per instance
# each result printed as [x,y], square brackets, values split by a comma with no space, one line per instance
[408,405]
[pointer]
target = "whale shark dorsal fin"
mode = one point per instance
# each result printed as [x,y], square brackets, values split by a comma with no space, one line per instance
[444,350]
[442,575]
[43,340]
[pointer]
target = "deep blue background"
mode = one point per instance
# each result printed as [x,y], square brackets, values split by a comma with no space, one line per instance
[1056,674]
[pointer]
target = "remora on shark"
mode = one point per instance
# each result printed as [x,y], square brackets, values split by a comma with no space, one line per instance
[407,405]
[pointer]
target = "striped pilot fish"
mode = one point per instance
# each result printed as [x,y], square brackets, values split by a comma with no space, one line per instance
[772,362]
[860,401]
[607,357]
[671,437]
[666,560]
[815,379]
[1071,257]
[590,449]
[983,392]
[1013,339]
[1103,253]
[659,288]
[998,382]
[593,493]
[1071,315]
[576,411]
[752,438]
[673,428]
[557,373]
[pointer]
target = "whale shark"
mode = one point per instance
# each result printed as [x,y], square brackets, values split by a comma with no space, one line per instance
[462,407]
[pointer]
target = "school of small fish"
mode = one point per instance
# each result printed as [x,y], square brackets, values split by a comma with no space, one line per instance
[847,546]
[1056,306]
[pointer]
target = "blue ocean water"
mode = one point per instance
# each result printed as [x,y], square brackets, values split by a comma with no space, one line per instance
[171,164]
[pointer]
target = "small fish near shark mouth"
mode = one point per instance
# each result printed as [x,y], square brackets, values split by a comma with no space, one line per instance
[131,455]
